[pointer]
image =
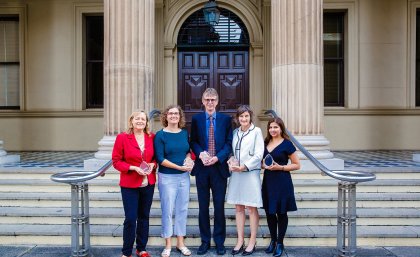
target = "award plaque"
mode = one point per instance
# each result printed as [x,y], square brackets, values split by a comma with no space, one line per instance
[188,162]
[206,156]
[145,167]
[233,162]
[268,160]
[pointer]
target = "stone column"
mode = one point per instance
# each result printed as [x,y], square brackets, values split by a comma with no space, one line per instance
[128,65]
[297,73]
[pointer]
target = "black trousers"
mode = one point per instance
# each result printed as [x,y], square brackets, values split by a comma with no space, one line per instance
[209,179]
[137,203]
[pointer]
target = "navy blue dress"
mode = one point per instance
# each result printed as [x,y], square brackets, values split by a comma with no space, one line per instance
[277,189]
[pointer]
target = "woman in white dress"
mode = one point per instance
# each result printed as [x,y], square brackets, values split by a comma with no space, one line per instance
[245,184]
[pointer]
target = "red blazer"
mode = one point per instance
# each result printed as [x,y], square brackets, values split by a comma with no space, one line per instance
[127,152]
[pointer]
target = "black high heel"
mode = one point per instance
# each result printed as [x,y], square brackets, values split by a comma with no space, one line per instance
[279,250]
[235,252]
[246,253]
[271,247]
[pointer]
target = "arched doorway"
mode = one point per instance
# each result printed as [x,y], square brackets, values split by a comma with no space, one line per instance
[214,56]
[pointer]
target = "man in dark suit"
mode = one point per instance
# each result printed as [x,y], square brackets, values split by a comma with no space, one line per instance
[211,142]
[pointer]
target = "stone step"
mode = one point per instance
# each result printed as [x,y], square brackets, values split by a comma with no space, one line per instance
[19,234]
[43,173]
[113,199]
[115,216]
[301,186]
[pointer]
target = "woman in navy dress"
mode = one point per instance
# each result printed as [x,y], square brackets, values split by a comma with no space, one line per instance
[277,188]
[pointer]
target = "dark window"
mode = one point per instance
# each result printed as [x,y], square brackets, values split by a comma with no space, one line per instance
[418,57]
[9,62]
[230,31]
[334,58]
[94,56]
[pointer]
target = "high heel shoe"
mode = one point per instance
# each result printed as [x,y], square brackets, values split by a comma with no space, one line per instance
[271,247]
[235,252]
[279,250]
[246,253]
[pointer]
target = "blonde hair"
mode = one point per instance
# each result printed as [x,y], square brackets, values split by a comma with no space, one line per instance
[164,116]
[130,128]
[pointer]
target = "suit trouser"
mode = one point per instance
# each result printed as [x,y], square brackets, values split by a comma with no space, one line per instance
[137,203]
[209,178]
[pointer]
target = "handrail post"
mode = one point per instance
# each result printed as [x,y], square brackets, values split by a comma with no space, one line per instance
[346,219]
[80,220]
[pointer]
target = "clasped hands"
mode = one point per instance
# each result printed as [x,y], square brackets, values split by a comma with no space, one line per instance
[188,165]
[274,166]
[206,159]
[141,172]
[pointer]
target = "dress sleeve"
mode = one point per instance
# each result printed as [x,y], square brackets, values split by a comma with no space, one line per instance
[159,147]
[290,148]
[118,159]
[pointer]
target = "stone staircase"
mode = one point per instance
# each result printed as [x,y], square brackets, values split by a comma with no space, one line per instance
[36,210]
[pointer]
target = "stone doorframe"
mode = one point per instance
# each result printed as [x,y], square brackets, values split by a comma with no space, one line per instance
[169,20]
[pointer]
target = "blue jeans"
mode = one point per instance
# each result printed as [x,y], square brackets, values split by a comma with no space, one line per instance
[137,203]
[174,191]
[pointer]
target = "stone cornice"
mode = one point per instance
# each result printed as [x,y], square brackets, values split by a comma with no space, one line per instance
[360,112]
[370,112]
[48,114]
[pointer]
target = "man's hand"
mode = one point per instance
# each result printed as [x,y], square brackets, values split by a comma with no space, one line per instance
[211,161]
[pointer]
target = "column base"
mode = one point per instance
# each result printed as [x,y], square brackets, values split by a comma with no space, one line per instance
[102,156]
[416,157]
[13,158]
[318,146]
[4,158]
[105,148]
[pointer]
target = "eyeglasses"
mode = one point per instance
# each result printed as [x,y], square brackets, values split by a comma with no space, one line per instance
[173,113]
[210,100]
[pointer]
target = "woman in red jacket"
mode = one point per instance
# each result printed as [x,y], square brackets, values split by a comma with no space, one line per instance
[134,149]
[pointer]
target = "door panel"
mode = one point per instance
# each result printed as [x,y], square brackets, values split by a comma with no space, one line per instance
[226,71]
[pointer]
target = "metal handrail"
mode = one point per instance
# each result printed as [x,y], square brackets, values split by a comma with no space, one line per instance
[343,175]
[71,177]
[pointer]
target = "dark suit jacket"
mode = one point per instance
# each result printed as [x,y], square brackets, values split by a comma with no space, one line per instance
[223,140]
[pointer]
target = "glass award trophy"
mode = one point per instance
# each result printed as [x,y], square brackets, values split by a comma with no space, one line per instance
[233,162]
[268,160]
[206,156]
[188,162]
[146,169]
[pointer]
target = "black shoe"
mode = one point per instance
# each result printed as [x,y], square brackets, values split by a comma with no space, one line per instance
[279,250]
[235,252]
[220,249]
[204,247]
[245,253]
[271,246]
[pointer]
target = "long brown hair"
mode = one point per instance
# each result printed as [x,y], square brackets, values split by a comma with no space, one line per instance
[283,133]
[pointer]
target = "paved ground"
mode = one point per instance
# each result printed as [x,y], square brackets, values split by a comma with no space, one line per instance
[37,251]
[365,159]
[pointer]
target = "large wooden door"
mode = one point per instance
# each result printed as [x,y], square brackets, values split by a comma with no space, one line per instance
[226,71]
